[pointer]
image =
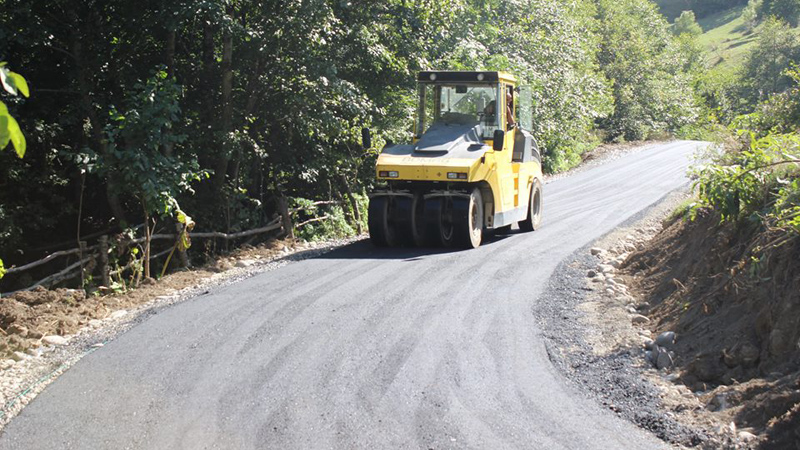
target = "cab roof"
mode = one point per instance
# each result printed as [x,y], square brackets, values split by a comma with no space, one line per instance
[450,76]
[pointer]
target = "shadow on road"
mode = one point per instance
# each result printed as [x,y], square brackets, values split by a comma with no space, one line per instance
[365,250]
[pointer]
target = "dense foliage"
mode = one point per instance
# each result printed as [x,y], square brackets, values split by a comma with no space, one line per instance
[672,9]
[229,106]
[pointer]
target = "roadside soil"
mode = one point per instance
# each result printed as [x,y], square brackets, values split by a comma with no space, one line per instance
[664,324]
[736,321]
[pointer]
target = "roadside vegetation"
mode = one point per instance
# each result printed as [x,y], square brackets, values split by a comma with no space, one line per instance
[229,111]
[726,277]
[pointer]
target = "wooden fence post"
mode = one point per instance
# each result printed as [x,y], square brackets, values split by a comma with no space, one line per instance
[82,247]
[104,270]
[182,256]
[286,216]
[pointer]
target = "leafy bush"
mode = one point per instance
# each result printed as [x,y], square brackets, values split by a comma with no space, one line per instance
[651,83]
[760,181]
[765,68]
[780,113]
[686,24]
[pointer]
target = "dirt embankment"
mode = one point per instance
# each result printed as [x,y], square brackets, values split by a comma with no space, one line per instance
[737,320]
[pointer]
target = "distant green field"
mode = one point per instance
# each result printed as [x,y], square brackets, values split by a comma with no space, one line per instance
[726,38]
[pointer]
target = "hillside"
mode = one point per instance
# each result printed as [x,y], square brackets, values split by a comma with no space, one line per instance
[702,8]
[726,38]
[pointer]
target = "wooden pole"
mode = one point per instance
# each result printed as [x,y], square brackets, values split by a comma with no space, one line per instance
[288,228]
[183,257]
[104,270]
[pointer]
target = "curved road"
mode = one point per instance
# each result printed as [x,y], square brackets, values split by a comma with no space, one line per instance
[362,348]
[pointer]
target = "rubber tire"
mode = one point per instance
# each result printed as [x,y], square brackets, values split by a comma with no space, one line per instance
[534,219]
[452,213]
[467,221]
[419,230]
[381,231]
[432,215]
[401,216]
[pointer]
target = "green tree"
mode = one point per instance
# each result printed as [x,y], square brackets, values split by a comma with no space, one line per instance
[686,24]
[788,10]
[136,138]
[651,77]
[14,84]
[764,72]
[752,13]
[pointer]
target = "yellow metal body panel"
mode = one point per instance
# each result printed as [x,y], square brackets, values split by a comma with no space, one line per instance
[509,181]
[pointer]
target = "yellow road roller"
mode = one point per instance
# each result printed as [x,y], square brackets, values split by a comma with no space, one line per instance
[472,166]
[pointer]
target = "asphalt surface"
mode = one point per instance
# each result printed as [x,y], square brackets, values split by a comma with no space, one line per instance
[363,348]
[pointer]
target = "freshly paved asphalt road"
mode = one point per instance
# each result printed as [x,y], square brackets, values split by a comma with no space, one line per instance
[362,348]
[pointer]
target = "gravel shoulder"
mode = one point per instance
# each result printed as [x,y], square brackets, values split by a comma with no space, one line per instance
[591,337]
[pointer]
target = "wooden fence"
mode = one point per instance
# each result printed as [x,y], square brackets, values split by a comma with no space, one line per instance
[97,254]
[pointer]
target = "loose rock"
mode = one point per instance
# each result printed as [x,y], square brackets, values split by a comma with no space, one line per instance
[639,319]
[666,339]
[18,356]
[746,436]
[606,268]
[591,273]
[664,359]
[596,251]
[119,314]
[6,363]
[54,340]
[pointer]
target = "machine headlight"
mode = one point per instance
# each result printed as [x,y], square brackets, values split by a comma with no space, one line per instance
[388,174]
[456,176]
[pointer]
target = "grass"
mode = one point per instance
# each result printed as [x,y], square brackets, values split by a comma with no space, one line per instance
[726,38]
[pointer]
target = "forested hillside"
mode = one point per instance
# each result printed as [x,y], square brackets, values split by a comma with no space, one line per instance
[224,107]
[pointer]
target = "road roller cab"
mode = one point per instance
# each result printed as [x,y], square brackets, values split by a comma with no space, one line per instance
[472,166]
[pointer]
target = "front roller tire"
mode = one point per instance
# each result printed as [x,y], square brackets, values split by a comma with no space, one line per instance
[381,229]
[468,220]
[534,219]
[455,221]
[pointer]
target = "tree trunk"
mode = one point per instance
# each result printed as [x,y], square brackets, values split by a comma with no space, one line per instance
[169,52]
[146,242]
[288,227]
[169,60]
[356,213]
[98,142]
[104,270]
[221,166]
[208,114]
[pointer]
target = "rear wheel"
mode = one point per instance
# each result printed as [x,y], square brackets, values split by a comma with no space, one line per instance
[418,229]
[408,214]
[381,229]
[534,219]
[465,221]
